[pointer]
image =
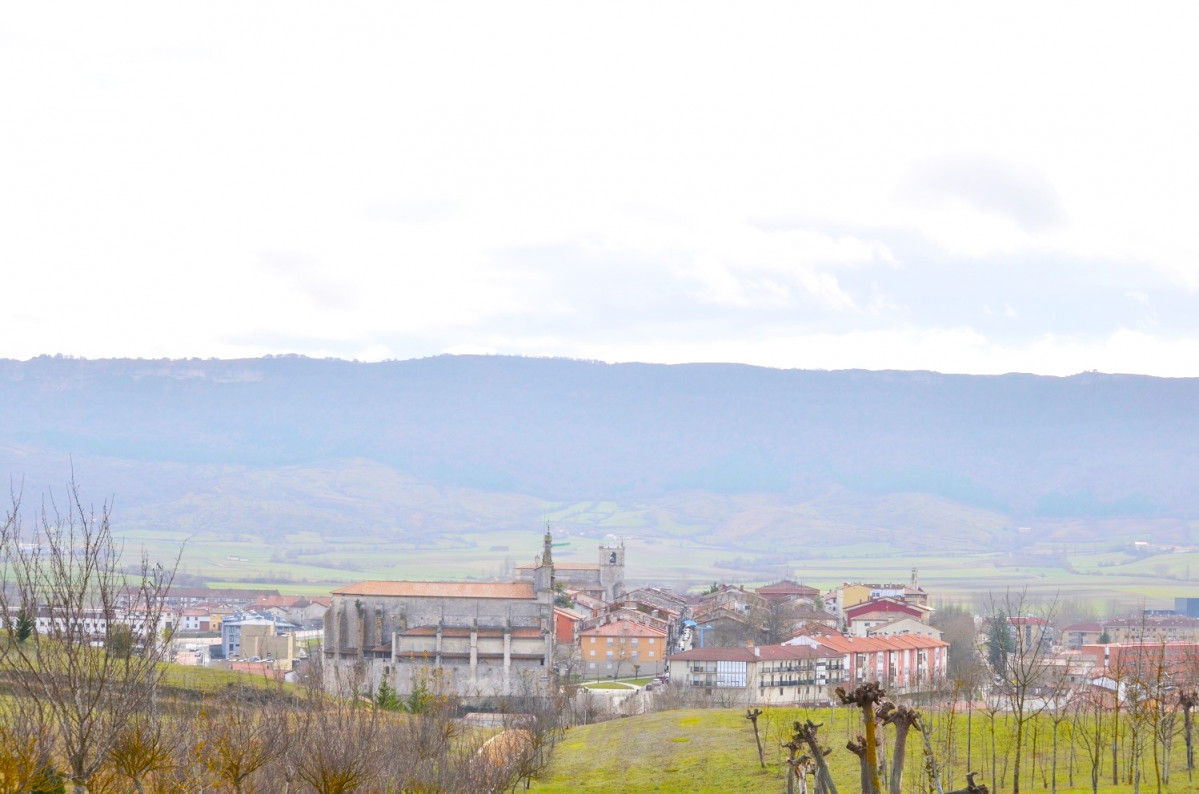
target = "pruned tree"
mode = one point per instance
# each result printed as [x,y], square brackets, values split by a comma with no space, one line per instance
[66,569]
[752,715]
[858,748]
[867,697]
[806,735]
[971,786]
[902,718]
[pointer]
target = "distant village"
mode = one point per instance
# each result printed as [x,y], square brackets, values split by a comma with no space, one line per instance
[554,622]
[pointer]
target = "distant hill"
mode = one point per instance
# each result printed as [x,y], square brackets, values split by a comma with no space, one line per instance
[455,442]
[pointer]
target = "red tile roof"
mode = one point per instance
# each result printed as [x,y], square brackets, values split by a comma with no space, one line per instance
[515,590]
[624,628]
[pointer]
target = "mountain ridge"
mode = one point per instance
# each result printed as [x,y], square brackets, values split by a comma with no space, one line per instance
[513,436]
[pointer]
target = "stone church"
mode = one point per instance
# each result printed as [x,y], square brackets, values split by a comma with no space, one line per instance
[603,579]
[472,639]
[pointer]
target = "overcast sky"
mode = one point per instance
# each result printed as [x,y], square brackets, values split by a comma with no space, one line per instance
[950,187]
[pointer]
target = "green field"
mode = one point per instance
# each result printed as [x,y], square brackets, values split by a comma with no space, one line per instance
[960,558]
[713,750]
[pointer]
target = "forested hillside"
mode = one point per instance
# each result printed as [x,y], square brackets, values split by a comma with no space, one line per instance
[467,442]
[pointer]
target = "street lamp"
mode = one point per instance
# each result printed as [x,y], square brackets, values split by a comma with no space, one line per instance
[702,629]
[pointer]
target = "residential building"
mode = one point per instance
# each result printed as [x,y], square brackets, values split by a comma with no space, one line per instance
[901,663]
[1077,635]
[788,591]
[1147,662]
[761,674]
[904,625]
[254,636]
[622,647]
[1151,628]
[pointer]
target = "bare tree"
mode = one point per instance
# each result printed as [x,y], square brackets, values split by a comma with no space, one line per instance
[1187,700]
[242,737]
[806,736]
[1022,669]
[1089,728]
[143,748]
[345,757]
[24,748]
[66,571]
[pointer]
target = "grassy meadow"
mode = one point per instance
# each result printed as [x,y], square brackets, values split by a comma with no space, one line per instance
[713,750]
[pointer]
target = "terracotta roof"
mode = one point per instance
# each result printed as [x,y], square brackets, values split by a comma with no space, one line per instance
[896,642]
[787,587]
[883,605]
[715,654]
[625,628]
[753,654]
[515,590]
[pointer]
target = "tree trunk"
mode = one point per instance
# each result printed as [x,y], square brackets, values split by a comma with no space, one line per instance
[1019,747]
[1187,704]
[898,756]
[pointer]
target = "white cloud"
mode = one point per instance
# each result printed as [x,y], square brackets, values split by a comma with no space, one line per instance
[386,179]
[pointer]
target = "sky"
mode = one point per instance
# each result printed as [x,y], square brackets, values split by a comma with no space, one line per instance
[959,187]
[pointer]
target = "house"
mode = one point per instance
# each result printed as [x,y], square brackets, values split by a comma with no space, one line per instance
[868,614]
[760,674]
[254,636]
[904,625]
[195,619]
[622,647]
[788,591]
[666,601]
[1028,631]
[851,594]
[567,624]
[1077,635]
[729,616]
[300,610]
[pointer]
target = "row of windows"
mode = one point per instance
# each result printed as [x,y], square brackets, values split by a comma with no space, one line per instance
[632,655]
[632,640]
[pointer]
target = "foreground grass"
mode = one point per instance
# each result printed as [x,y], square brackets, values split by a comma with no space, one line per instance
[671,751]
[713,750]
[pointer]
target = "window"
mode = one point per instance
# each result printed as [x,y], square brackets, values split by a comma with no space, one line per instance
[609,640]
[651,640]
[593,640]
[651,654]
[593,653]
[634,642]
[634,656]
[609,656]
